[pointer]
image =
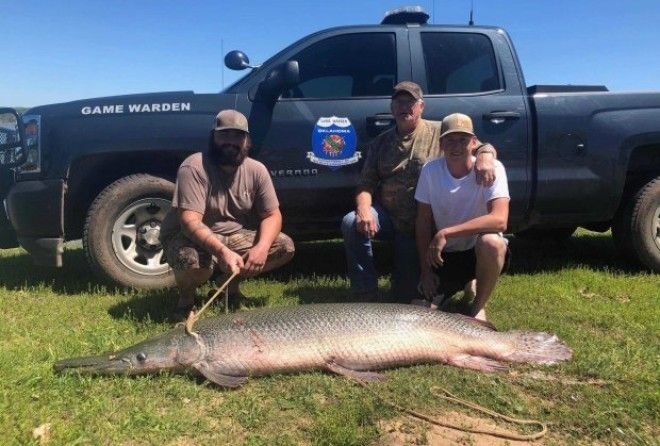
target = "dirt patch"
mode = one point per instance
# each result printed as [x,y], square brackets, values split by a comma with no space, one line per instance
[407,431]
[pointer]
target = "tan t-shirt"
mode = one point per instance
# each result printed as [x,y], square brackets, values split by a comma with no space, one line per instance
[392,168]
[228,202]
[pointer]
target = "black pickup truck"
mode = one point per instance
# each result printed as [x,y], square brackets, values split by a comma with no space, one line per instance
[103,169]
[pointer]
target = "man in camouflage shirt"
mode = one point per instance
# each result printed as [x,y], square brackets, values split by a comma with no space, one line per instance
[385,203]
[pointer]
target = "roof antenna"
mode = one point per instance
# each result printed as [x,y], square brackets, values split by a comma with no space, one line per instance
[471,23]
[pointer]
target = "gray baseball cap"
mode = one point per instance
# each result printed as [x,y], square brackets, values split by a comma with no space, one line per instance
[411,88]
[231,120]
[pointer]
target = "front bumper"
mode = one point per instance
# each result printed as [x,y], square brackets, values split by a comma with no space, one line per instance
[36,211]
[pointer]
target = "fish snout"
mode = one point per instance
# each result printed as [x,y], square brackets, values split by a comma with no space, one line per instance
[108,364]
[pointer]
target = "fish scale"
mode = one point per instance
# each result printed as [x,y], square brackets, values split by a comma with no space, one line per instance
[352,339]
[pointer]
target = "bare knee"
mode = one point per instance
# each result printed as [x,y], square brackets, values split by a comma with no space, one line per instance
[491,246]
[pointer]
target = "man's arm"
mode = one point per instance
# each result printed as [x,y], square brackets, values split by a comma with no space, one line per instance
[194,228]
[269,228]
[369,179]
[423,236]
[494,221]
[365,221]
[484,166]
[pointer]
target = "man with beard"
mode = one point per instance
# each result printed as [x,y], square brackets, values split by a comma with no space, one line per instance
[225,214]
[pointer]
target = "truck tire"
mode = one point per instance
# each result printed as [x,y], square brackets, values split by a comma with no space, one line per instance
[546,234]
[120,238]
[642,224]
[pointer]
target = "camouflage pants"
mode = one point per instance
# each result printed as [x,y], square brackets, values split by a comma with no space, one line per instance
[183,254]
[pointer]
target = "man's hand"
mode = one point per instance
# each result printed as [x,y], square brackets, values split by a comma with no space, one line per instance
[365,221]
[429,282]
[484,168]
[230,262]
[434,252]
[256,259]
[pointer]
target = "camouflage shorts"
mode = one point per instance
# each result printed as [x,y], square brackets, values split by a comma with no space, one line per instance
[181,253]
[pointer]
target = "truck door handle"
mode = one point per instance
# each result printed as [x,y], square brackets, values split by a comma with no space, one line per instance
[384,120]
[377,123]
[498,117]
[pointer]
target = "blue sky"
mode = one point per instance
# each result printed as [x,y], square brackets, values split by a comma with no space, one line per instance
[55,51]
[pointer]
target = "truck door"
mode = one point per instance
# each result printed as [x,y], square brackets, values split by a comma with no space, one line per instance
[474,72]
[314,144]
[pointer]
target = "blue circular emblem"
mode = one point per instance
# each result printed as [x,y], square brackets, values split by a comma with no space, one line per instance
[334,143]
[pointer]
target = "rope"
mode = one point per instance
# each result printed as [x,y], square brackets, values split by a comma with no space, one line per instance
[194,316]
[492,413]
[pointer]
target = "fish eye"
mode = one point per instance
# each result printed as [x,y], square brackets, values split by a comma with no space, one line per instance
[141,357]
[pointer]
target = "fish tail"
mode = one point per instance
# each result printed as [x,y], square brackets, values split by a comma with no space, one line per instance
[537,347]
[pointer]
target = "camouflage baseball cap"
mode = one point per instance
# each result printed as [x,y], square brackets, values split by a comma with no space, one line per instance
[456,123]
[231,120]
[411,88]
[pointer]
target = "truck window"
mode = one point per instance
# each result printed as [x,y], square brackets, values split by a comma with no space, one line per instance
[345,66]
[459,63]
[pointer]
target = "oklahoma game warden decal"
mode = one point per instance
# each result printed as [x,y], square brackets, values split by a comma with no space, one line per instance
[334,142]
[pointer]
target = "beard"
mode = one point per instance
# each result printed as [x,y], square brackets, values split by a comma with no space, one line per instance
[227,154]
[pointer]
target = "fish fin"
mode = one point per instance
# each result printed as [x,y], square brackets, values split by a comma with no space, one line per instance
[218,378]
[476,363]
[357,375]
[538,347]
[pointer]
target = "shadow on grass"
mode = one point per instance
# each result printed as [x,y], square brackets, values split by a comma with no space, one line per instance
[326,258]
[75,277]
[158,305]
[153,305]
[589,250]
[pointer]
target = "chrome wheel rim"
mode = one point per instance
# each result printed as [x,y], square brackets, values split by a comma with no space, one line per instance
[135,236]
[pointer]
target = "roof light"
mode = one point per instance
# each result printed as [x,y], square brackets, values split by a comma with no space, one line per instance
[406,15]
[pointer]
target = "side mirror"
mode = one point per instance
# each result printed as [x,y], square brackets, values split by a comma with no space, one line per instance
[237,60]
[282,77]
[12,153]
[291,73]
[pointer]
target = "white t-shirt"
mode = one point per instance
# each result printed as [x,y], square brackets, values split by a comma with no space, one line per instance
[457,200]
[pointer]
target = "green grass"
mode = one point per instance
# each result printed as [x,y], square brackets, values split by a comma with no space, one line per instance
[606,311]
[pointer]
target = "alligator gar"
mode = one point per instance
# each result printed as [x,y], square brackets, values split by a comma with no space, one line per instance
[354,340]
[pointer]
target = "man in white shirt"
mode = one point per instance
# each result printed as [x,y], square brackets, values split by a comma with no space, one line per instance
[459,223]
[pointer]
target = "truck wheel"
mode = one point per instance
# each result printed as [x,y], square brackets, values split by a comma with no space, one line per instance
[546,234]
[644,225]
[121,232]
